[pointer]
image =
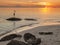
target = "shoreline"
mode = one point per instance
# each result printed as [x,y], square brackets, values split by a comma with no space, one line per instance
[35,30]
[26,28]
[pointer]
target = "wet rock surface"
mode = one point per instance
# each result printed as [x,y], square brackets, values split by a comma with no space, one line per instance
[29,39]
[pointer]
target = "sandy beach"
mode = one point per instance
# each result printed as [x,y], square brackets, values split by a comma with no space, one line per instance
[53,39]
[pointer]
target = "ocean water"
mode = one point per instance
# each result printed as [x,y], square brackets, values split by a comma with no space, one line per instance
[44,16]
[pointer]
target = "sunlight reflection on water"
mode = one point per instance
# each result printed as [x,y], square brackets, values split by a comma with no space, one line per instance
[45,16]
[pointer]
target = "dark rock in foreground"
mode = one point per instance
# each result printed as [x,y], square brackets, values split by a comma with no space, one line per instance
[28,36]
[15,42]
[10,37]
[31,39]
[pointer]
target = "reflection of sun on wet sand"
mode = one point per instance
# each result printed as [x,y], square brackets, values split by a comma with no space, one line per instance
[53,39]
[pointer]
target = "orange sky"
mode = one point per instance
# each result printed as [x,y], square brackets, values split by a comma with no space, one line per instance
[20,2]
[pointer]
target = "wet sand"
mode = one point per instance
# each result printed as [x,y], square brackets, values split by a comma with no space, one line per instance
[53,39]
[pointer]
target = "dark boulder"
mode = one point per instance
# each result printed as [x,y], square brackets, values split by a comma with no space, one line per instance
[15,42]
[10,37]
[35,42]
[28,36]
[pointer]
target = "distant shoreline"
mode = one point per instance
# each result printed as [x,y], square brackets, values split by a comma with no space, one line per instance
[22,6]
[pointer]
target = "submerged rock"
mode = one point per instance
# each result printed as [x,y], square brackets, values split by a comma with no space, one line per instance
[30,19]
[14,19]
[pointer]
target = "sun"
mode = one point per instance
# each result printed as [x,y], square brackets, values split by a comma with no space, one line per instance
[44,3]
